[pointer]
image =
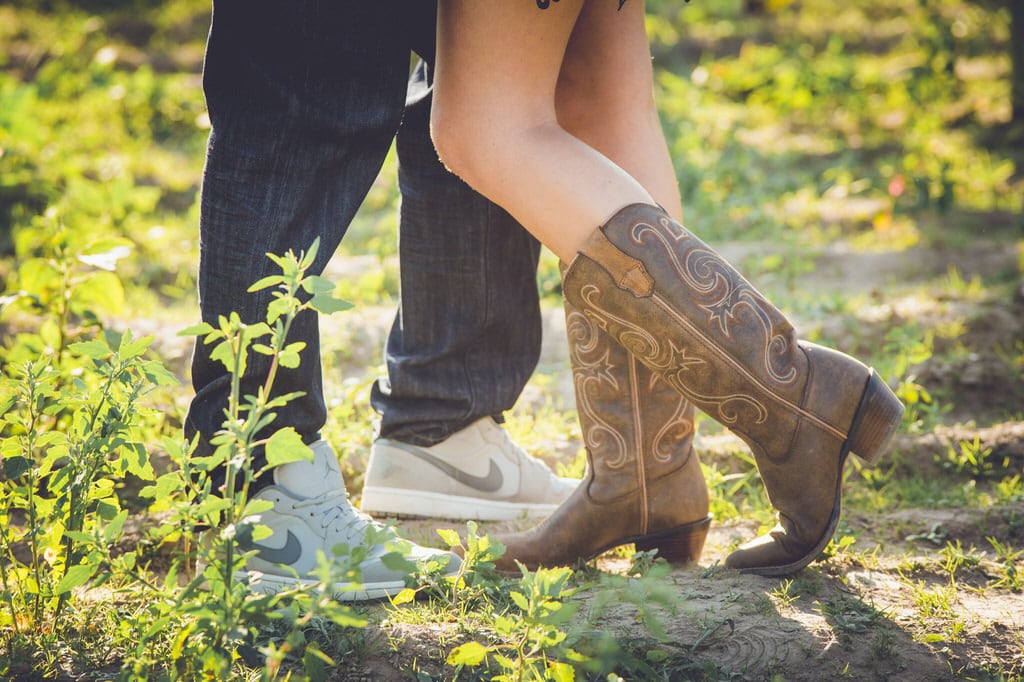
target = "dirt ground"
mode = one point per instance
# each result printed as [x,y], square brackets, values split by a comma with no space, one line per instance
[845,618]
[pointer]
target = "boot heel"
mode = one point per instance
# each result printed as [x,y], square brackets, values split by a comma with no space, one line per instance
[877,418]
[680,545]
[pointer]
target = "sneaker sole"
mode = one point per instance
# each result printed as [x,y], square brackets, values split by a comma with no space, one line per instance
[263,583]
[418,504]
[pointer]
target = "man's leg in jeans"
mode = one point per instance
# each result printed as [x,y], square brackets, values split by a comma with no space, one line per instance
[304,99]
[464,343]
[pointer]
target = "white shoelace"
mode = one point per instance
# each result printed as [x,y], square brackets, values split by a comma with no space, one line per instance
[335,512]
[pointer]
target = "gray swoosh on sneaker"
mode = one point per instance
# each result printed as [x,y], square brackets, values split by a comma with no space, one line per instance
[288,554]
[491,483]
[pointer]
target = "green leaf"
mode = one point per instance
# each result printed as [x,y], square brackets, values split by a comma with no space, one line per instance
[289,360]
[201,329]
[653,623]
[8,396]
[255,507]
[289,357]
[133,348]
[157,374]
[396,561]
[166,486]
[136,460]
[112,531]
[560,672]
[50,332]
[504,625]
[406,596]
[450,536]
[15,467]
[106,511]
[310,256]
[211,505]
[263,349]
[278,308]
[36,275]
[224,354]
[328,304]
[520,600]
[76,575]
[279,261]
[266,283]
[95,349]
[101,290]
[286,446]
[314,284]
[315,663]
[470,653]
[343,616]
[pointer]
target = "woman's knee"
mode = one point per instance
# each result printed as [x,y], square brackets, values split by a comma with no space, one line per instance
[454,137]
[478,139]
[439,126]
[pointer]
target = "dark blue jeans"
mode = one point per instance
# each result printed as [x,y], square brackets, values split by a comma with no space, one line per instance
[305,98]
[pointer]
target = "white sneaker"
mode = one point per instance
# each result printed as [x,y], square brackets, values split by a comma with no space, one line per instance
[476,473]
[312,513]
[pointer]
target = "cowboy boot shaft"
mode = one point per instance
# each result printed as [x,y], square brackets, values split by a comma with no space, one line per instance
[695,320]
[691,317]
[637,429]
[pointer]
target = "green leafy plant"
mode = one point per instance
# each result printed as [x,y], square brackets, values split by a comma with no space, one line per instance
[849,615]
[1010,576]
[74,423]
[67,449]
[970,457]
[535,642]
[475,585]
[906,347]
[215,620]
[784,593]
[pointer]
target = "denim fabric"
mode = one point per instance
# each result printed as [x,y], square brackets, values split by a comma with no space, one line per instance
[305,97]
[468,330]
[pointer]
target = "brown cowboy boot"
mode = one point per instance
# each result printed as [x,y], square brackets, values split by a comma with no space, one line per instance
[688,315]
[644,483]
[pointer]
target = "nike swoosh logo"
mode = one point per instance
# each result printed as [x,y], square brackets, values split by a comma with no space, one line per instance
[288,554]
[491,483]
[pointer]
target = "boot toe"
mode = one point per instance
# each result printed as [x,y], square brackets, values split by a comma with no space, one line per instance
[773,555]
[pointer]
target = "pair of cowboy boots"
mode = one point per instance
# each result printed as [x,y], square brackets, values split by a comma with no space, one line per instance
[679,308]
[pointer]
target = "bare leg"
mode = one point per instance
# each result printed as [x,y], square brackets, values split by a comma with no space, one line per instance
[613,110]
[495,123]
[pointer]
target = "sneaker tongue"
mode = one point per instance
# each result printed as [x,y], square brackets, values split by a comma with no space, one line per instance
[318,477]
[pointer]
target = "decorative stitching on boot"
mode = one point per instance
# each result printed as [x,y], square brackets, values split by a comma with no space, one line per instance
[592,367]
[708,275]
